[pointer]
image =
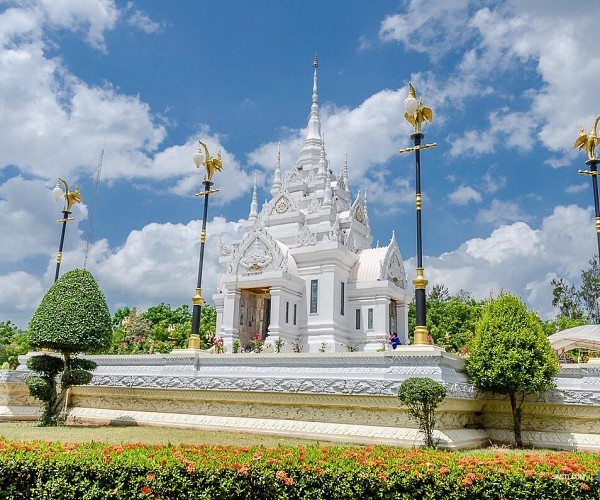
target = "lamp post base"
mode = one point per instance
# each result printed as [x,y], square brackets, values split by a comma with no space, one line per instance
[421,336]
[194,342]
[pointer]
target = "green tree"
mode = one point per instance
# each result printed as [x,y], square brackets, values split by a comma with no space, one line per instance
[73,317]
[170,325]
[13,342]
[422,396]
[161,328]
[510,355]
[561,323]
[119,316]
[132,336]
[579,302]
[450,318]
[208,322]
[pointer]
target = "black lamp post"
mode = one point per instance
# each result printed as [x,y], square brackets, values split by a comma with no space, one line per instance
[71,198]
[416,113]
[202,158]
[589,143]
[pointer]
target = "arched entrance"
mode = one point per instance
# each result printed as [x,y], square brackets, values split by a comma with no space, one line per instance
[255,314]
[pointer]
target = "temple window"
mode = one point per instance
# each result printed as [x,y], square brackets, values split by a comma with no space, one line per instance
[314,295]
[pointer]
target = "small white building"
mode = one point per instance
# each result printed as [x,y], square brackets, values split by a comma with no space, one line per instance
[305,271]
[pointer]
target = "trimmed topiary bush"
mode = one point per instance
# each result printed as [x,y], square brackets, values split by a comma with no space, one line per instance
[422,396]
[510,355]
[72,317]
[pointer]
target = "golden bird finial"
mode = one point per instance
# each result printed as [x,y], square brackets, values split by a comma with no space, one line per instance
[588,141]
[416,113]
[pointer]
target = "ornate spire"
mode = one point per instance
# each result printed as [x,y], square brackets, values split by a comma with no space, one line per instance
[254,205]
[345,174]
[311,150]
[321,174]
[277,178]
[327,199]
[366,211]
[315,66]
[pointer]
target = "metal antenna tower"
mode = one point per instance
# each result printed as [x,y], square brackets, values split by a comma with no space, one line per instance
[90,231]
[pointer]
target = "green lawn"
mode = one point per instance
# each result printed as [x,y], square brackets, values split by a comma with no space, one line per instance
[29,431]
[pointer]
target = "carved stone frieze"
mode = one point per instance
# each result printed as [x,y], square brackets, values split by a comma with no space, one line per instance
[314,206]
[306,237]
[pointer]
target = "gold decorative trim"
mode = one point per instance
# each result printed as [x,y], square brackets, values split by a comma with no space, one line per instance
[421,336]
[420,283]
[194,342]
[197,299]
[208,191]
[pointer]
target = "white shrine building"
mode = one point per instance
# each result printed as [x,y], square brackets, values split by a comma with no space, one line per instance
[305,271]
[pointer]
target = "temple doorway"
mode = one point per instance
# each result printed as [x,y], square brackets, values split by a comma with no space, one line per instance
[393,317]
[255,314]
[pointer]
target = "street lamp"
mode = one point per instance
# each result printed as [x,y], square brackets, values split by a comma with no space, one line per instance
[71,198]
[202,158]
[589,143]
[415,114]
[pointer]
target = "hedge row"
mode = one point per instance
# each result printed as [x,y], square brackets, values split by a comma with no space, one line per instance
[93,471]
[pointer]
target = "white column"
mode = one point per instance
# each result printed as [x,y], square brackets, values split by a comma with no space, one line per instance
[231,316]
[402,315]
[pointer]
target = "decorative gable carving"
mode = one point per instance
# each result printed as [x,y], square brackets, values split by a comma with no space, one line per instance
[392,268]
[284,203]
[357,210]
[257,252]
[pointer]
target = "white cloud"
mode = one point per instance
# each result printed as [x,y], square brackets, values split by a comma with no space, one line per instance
[576,188]
[510,129]
[505,243]
[549,37]
[419,28]
[493,182]
[370,134]
[177,162]
[28,217]
[19,293]
[47,109]
[158,263]
[93,16]
[519,259]
[501,212]
[463,195]
[141,21]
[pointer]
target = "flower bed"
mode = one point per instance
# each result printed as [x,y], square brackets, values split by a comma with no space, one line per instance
[93,471]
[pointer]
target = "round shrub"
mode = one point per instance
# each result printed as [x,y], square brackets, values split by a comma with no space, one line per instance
[40,388]
[422,396]
[73,316]
[49,366]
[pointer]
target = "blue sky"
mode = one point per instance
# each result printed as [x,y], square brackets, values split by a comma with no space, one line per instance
[510,83]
